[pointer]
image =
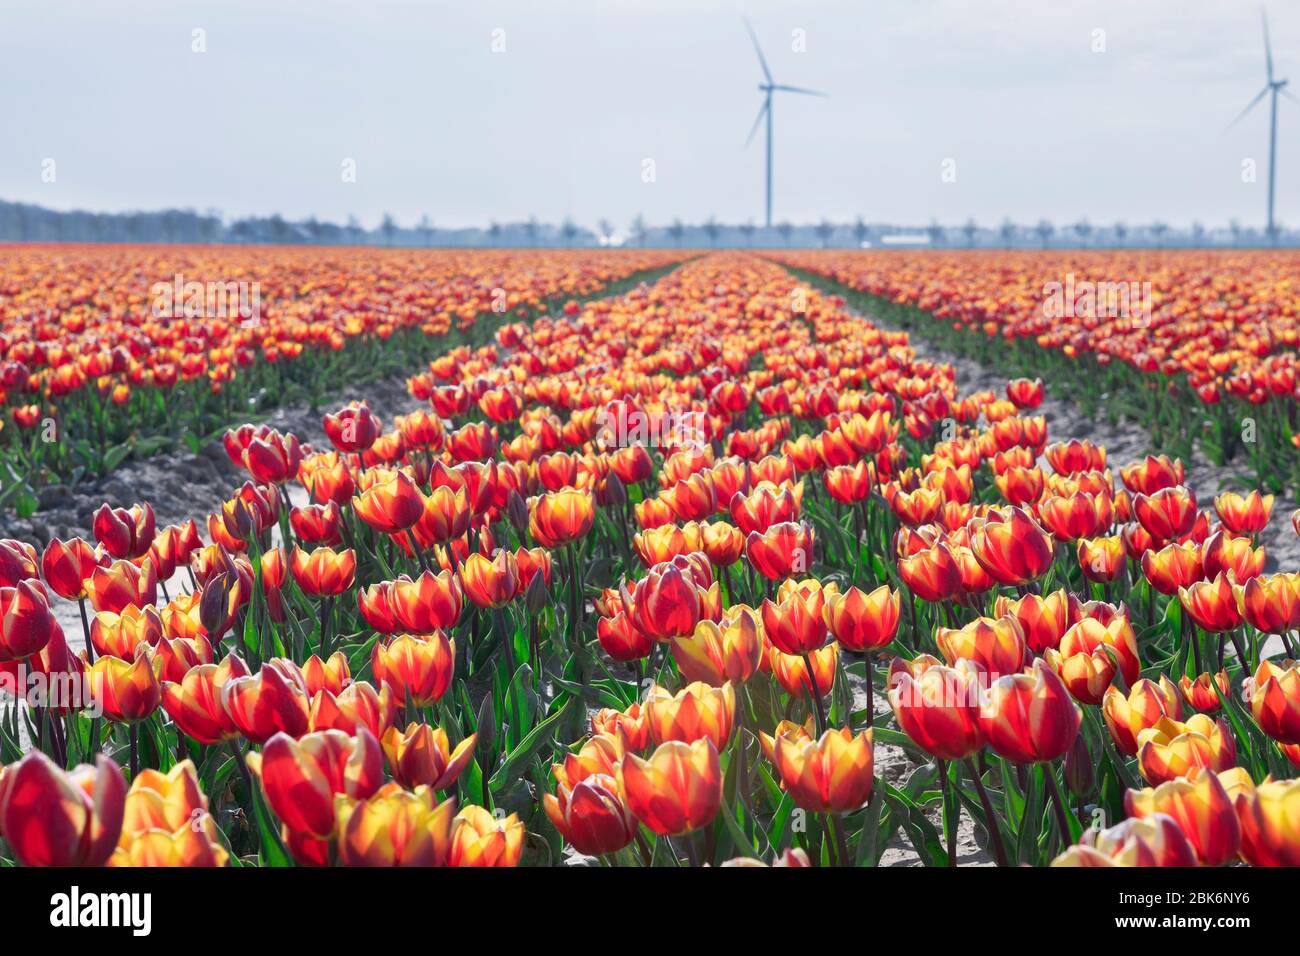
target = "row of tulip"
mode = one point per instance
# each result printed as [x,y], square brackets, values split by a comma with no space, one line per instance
[107,352]
[1199,347]
[687,577]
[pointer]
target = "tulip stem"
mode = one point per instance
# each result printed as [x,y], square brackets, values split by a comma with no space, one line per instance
[871,687]
[692,853]
[1195,639]
[990,819]
[1117,761]
[575,595]
[867,530]
[841,844]
[326,605]
[135,750]
[857,544]
[65,729]
[1058,804]
[242,764]
[950,819]
[507,644]
[816,697]
[745,707]
[59,738]
[85,629]
[534,645]
[647,858]
[1243,661]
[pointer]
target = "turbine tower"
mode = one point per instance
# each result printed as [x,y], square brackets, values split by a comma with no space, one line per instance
[767,88]
[1272,88]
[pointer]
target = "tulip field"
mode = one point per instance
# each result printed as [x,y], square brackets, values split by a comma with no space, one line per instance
[1198,346]
[703,570]
[107,353]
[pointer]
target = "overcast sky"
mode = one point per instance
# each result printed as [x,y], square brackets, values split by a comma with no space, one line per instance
[560,122]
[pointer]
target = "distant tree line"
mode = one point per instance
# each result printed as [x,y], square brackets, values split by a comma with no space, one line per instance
[26,222]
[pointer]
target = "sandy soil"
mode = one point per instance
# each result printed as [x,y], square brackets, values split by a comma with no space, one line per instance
[179,485]
[895,765]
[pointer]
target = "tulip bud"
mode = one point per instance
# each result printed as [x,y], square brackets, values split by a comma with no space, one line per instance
[422,756]
[591,814]
[615,493]
[215,604]
[535,597]
[1078,768]
[487,727]
[517,512]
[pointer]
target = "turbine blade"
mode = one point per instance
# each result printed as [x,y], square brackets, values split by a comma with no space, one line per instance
[1289,95]
[1268,49]
[1249,106]
[758,49]
[758,119]
[800,89]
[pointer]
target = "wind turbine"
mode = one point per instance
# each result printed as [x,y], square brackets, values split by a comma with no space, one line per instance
[767,88]
[1274,87]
